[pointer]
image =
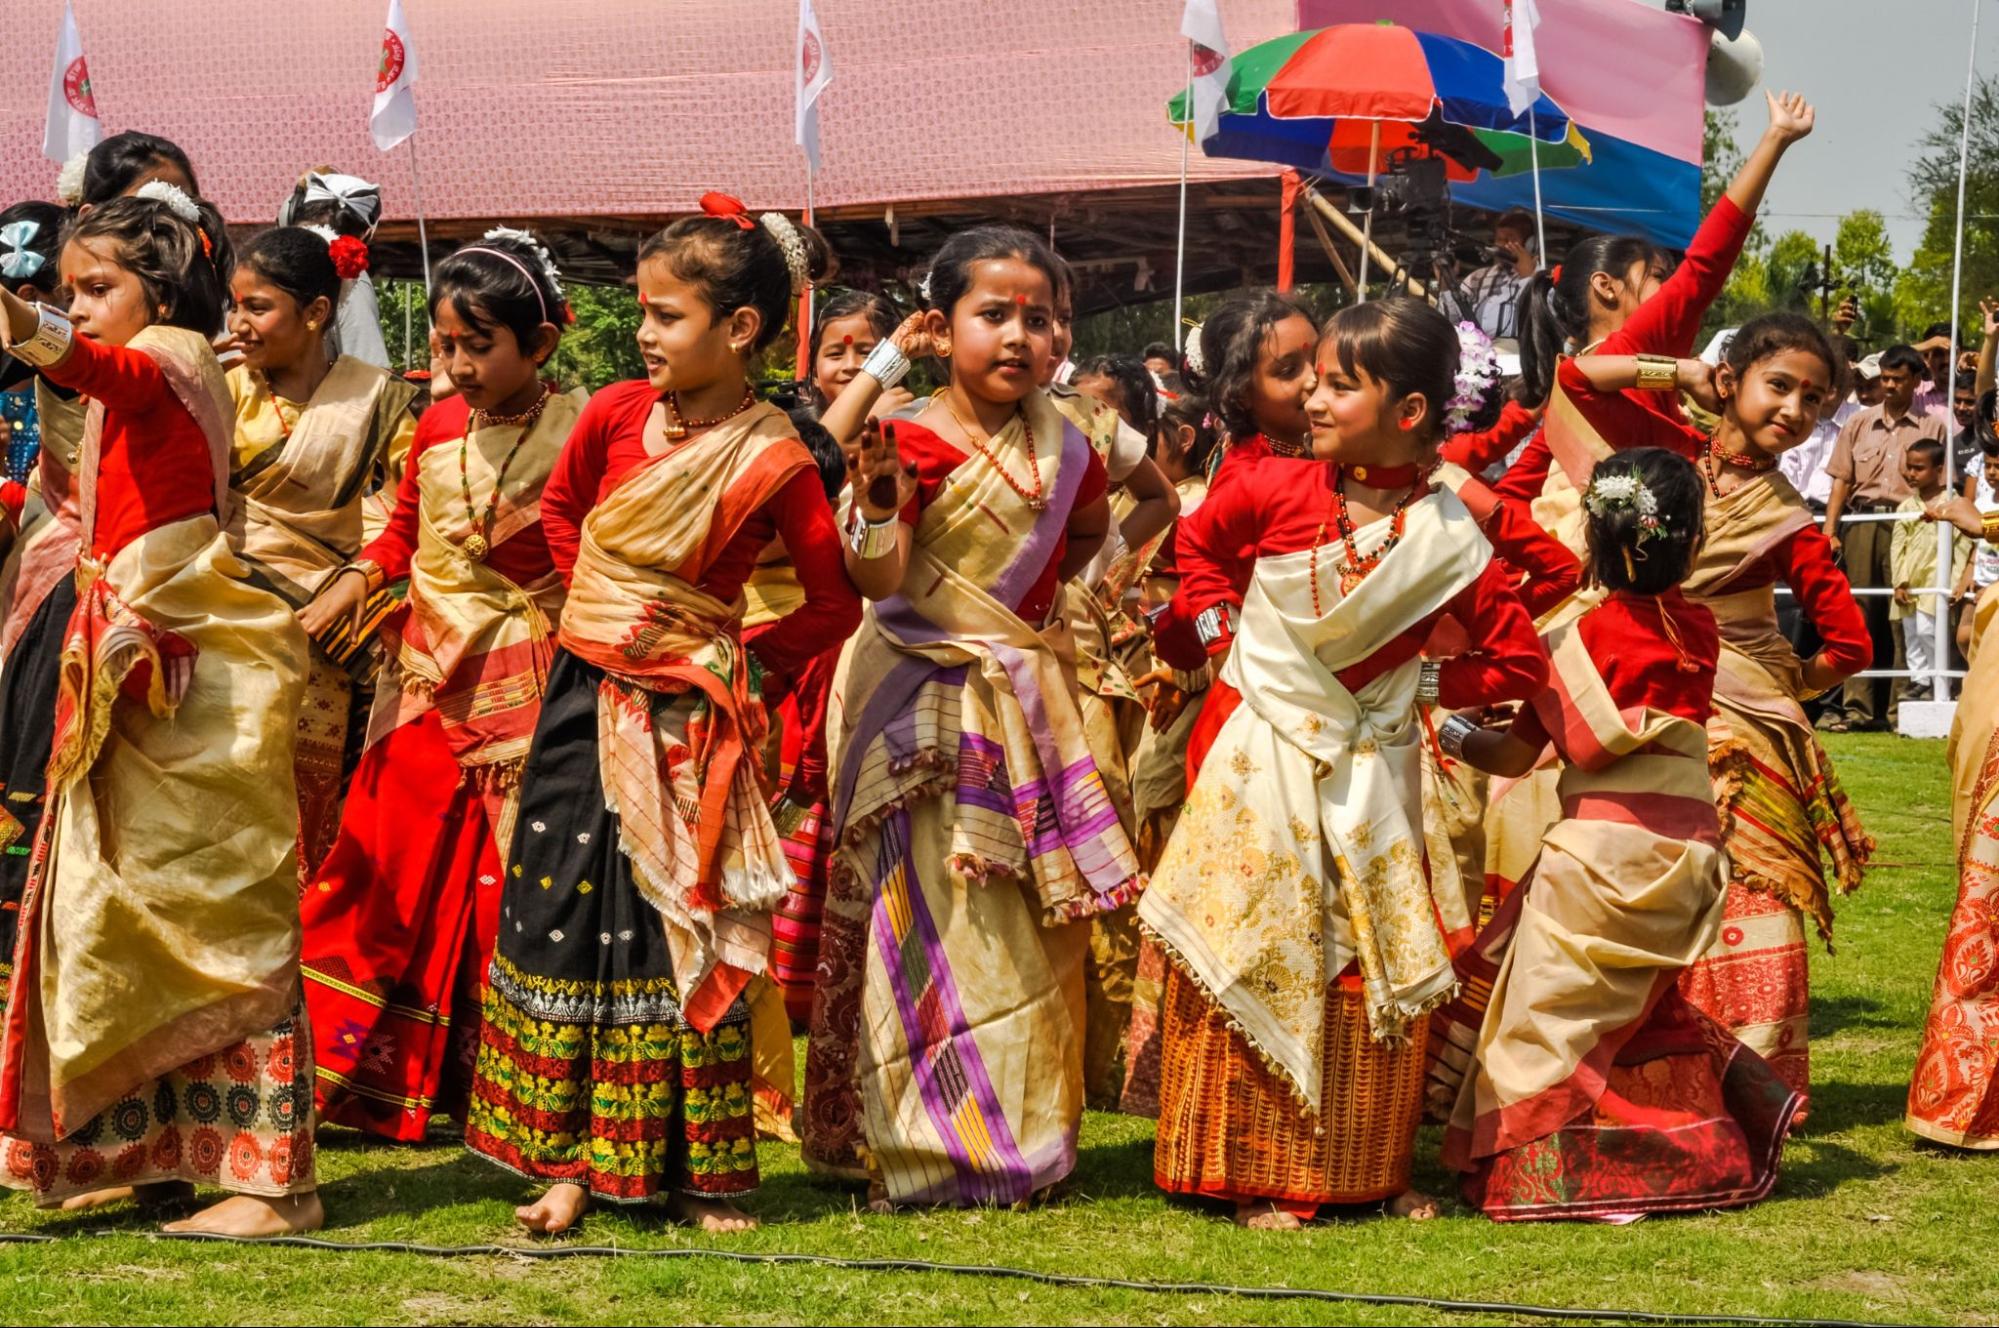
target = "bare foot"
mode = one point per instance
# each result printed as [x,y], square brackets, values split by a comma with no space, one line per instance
[1414,1205]
[156,1194]
[253,1217]
[561,1208]
[715,1215]
[878,1201]
[1265,1216]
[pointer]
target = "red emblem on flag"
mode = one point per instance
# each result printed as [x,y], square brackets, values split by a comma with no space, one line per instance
[391,67]
[76,88]
[1206,61]
[810,57]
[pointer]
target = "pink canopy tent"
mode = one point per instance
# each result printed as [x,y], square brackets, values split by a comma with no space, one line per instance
[605,116]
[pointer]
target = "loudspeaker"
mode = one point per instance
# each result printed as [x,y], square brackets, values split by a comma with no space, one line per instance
[1734,68]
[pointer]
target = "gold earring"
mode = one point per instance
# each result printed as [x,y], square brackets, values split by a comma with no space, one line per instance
[312,325]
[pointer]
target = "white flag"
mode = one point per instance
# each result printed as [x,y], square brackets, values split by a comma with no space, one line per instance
[1201,24]
[394,117]
[73,125]
[812,73]
[1523,65]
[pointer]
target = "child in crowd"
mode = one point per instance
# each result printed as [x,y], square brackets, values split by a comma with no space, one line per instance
[1913,566]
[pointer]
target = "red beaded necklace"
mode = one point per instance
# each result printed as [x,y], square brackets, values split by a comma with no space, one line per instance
[1353,567]
[1035,498]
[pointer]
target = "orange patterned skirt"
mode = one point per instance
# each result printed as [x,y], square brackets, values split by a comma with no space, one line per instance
[1229,1129]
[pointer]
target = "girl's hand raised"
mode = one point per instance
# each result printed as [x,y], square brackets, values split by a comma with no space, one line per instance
[913,337]
[1791,116]
[882,483]
[1696,379]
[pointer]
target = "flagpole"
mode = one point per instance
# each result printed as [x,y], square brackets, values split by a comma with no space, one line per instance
[1367,220]
[1940,686]
[805,297]
[422,231]
[1534,157]
[1180,244]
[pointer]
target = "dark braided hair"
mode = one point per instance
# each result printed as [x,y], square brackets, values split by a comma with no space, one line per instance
[1138,395]
[1627,550]
[296,261]
[1553,314]
[738,267]
[1231,343]
[165,253]
[490,293]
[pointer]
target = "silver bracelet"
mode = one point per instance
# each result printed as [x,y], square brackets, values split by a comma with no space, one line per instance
[1451,736]
[873,539]
[1215,623]
[1429,682]
[886,364]
[50,341]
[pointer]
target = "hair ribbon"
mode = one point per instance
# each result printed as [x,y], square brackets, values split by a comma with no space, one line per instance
[17,261]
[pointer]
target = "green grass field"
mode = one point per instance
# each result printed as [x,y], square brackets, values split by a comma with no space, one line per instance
[1864,1223]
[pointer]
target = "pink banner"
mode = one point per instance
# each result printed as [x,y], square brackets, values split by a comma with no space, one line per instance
[1616,66]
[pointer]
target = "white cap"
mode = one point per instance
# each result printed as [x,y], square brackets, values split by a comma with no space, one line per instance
[1870,368]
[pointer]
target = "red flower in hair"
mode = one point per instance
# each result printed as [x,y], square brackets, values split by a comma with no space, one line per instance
[350,256]
[1555,274]
[726,205]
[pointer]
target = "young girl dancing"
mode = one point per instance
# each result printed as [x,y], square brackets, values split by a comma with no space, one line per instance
[1304,948]
[1595,1090]
[151,1039]
[399,925]
[1954,1093]
[975,837]
[1613,295]
[310,434]
[1255,369]
[1781,804]
[614,1060]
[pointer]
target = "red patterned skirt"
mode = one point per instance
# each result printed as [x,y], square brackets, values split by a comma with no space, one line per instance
[1231,1130]
[399,926]
[1755,981]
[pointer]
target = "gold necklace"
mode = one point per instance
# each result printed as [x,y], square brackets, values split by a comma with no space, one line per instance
[478,544]
[1036,498]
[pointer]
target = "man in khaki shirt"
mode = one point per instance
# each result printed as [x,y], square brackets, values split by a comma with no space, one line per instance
[1866,471]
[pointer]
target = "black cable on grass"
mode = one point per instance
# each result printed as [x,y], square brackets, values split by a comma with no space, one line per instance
[1480,1307]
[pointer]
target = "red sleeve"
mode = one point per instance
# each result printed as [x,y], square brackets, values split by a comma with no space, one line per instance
[120,377]
[1528,475]
[1510,663]
[396,545]
[573,482]
[1211,546]
[832,608]
[1667,323]
[1544,571]
[1622,417]
[1806,564]
[13,497]
[1476,451]
[1096,482]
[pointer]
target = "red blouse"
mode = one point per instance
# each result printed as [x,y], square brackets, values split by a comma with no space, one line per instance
[154,466]
[1666,324]
[935,459]
[1804,561]
[1478,450]
[608,443]
[1279,506]
[1634,654]
[522,558]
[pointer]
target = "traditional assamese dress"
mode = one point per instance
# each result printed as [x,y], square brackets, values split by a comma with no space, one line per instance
[1782,808]
[153,1026]
[37,596]
[1293,902]
[300,473]
[1595,1090]
[976,842]
[616,1049]
[400,918]
[1954,1093]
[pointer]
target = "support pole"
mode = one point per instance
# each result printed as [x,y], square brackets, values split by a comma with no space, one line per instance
[1287,233]
[1180,245]
[1367,227]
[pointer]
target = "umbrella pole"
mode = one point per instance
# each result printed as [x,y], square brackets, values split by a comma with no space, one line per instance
[1180,244]
[1940,683]
[1534,159]
[1367,221]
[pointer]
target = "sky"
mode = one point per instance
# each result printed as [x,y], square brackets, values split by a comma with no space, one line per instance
[1873,70]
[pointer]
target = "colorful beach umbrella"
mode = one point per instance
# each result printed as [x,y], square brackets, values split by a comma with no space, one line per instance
[1327,99]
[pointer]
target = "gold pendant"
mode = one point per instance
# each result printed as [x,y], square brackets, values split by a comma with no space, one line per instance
[674,430]
[474,547]
[1037,504]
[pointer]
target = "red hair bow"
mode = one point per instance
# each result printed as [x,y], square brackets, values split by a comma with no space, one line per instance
[727,205]
[350,256]
[1555,275]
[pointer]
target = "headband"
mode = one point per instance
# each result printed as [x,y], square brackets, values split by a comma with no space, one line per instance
[17,261]
[792,244]
[539,299]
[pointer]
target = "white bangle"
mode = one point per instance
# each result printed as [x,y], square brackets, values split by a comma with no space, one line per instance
[873,539]
[886,364]
[50,341]
[1215,623]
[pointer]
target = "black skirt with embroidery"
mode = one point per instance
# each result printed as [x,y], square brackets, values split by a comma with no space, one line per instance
[587,1073]
[27,733]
